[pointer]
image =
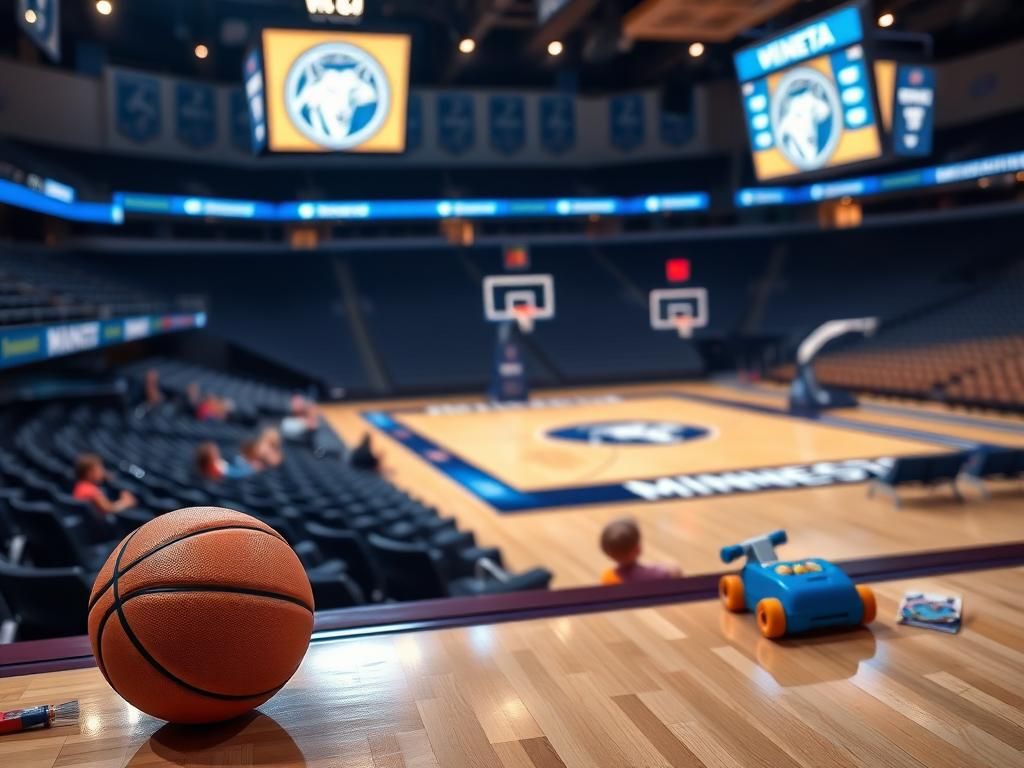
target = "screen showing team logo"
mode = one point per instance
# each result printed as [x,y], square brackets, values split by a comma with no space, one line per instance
[630,433]
[336,91]
[808,97]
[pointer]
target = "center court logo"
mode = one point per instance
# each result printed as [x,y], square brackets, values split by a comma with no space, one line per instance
[631,433]
[806,118]
[337,95]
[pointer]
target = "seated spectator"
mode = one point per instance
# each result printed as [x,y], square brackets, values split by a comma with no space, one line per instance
[304,421]
[151,388]
[363,457]
[213,408]
[212,466]
[269,448]
[193,394]
[249,455]
[90,474]
[621,541]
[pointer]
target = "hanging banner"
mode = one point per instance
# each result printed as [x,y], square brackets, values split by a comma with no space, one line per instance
[626,125]
[456,122]
[196,108]
[558,123]
[137,106]
[508,123]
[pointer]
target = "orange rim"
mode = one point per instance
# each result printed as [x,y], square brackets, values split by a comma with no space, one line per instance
[867,599]
[771,618]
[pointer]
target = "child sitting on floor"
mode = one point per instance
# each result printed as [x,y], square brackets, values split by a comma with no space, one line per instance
[620,540]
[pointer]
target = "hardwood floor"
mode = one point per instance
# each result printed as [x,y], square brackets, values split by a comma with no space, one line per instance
[835,522]
[669,687]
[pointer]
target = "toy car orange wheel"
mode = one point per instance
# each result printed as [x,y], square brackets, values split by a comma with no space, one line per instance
[730,589]
[867,599]
[771,618]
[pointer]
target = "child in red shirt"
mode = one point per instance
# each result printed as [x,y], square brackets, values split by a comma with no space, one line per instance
[620,540]
[89,474]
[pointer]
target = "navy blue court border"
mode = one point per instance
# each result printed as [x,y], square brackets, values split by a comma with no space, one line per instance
[506,499]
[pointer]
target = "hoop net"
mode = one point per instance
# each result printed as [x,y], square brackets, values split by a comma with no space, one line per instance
[684,325]
[524,315]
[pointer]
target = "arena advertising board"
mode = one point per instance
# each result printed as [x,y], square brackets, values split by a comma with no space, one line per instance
[29,344]
[808,97]
[329,91]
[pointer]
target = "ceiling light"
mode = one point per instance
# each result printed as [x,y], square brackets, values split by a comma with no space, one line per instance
[30,16]
[467,45]
[696,50]
[555,48]
[202,51]
[104,7]
[886,20]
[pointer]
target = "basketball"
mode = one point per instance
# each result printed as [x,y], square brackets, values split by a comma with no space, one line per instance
[200,615]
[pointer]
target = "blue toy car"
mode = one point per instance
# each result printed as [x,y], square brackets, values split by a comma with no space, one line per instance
[789,597]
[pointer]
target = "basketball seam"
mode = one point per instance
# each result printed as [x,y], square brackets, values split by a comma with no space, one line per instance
[199,588]
[166,544]
[103,624]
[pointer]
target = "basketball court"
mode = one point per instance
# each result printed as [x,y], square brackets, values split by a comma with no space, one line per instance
[541,480]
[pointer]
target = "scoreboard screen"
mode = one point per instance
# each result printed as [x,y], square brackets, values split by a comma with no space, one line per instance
[808,97]
[329,91]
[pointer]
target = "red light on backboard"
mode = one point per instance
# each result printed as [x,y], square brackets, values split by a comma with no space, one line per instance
[677,270]
[517,257]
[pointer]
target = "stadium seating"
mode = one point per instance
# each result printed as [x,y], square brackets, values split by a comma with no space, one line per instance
[334,516]
[38,287]
[994,464]
[45,602]
[924,471]
[968,351]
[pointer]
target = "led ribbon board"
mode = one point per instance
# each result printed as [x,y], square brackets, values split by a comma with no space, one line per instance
[808,97]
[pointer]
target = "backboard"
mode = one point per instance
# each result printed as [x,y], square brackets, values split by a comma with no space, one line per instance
[679,309]
[513,298]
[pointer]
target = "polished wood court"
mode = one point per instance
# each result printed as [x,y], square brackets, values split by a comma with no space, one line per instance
[834,522]
[515,447]
[669,687]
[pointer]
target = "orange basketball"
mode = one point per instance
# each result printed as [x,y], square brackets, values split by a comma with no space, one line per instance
[200,615]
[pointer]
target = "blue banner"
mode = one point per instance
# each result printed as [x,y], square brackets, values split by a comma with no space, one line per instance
[414,123]
[914,110]
[507,115]
[40,21]
[557,123]
[137,104]
[819,36]
[252,76]
[626,123]
[456,122]
[677,129]
[241,130]
[196,108]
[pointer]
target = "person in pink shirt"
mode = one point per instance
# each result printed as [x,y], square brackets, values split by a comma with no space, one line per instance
[621,541]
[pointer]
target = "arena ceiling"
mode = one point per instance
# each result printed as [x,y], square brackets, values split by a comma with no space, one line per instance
[511,51]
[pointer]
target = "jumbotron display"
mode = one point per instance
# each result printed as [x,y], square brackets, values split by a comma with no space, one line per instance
[808,97]
[326,91]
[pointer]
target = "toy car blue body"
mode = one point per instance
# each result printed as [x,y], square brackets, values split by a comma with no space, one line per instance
[795,596]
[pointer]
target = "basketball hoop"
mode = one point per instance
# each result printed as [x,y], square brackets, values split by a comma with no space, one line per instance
[524,314]
[684,325]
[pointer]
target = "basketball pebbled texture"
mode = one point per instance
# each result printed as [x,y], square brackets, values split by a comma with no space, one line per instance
[200,615]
